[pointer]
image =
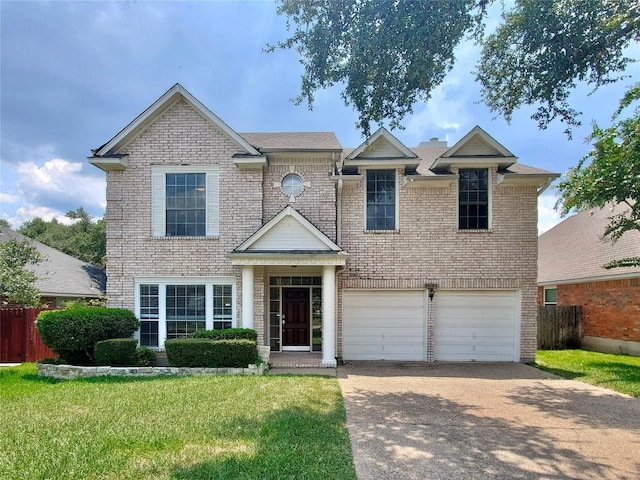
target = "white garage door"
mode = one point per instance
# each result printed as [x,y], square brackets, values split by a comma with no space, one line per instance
[383,325]
[476,326]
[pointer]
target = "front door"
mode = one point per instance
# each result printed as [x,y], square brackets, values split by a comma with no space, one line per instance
[295,318]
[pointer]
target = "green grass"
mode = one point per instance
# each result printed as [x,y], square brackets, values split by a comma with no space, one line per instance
[236,427]
[617,372]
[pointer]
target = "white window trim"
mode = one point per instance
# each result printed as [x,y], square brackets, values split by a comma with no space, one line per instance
[397,201]
[158,197]
[162,283]
[489,199]
[544,295]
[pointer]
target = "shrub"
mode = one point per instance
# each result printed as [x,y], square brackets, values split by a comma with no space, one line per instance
[146,357]
[204,352]
[73,333]
[227,334]
[119,352]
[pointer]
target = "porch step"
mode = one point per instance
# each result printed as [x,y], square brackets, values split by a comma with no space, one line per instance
[295,360]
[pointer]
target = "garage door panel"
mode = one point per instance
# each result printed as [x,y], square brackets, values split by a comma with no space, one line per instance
[383,324]
[475,326]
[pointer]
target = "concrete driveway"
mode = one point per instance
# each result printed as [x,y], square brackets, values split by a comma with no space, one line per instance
[466,421]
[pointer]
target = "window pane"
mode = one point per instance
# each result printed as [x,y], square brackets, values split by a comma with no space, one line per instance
[149,301]
[149,334]
[381,199]
[185,204]
[473,199]
[551,295]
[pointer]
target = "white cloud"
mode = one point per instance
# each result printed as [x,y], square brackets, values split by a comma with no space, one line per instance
[61,185]
[8,198]
[24,214]
[548,217]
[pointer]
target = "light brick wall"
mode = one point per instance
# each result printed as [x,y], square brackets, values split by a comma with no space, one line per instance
[429,248]
[180,136]
[318,201]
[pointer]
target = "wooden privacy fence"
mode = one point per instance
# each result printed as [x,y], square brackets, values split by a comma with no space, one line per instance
[19,337]
[558,327]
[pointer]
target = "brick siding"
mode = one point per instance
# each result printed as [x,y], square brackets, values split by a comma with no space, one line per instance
[610,309]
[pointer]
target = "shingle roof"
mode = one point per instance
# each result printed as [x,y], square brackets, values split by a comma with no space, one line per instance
[270,141]
[573,249]
[61,274]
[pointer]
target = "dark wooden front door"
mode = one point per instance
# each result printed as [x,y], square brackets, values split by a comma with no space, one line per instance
[295,310]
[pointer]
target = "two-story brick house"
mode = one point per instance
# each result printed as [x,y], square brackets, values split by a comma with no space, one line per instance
[378,252]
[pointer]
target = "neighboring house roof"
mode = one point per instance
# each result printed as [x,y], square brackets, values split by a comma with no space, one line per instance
[573,251]
[59,274]
[293,141]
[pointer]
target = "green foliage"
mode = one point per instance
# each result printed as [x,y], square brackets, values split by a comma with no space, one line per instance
[543,48]
[17,282]
[117,352]
[227,334]
[92,302]
[204,352]
[146,357]
[609,174]
[83,239]
[73,333]
[389,55]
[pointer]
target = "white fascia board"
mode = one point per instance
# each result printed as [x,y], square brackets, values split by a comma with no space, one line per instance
[157,108]
[539,180]
[488,139]
[599,278]
[381,132]
[109,164]
[284,258]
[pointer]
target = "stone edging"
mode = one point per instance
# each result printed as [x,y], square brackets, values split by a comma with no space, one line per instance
[70,372]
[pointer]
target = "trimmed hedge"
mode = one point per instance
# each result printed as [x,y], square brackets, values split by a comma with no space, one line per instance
[146,357]
[227,334]
[117,352]
[73,333]
[204,352]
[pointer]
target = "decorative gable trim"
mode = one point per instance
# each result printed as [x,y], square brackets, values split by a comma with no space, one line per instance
[476,148]
[321,241]
[394,153]
[173,95]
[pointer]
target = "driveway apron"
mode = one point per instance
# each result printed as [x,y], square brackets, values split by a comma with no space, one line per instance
[472,421]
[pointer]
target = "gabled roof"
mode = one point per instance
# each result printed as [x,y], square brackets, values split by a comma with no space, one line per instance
[573,251]
[61,275]
[173,95]
[381,149]
[475,147]
[288,231]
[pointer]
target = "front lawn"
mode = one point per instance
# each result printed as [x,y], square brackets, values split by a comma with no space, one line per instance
[236,427]
[617,372]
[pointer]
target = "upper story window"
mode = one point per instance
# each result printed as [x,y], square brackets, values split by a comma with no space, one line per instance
[185,201]
[186,204]
[473,199]
[381,200]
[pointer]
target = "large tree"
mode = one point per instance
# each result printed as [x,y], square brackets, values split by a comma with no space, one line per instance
[84,238]
[610,174]
[390,54]
[17,282]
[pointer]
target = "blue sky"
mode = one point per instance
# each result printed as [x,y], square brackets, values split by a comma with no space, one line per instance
[73,74]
